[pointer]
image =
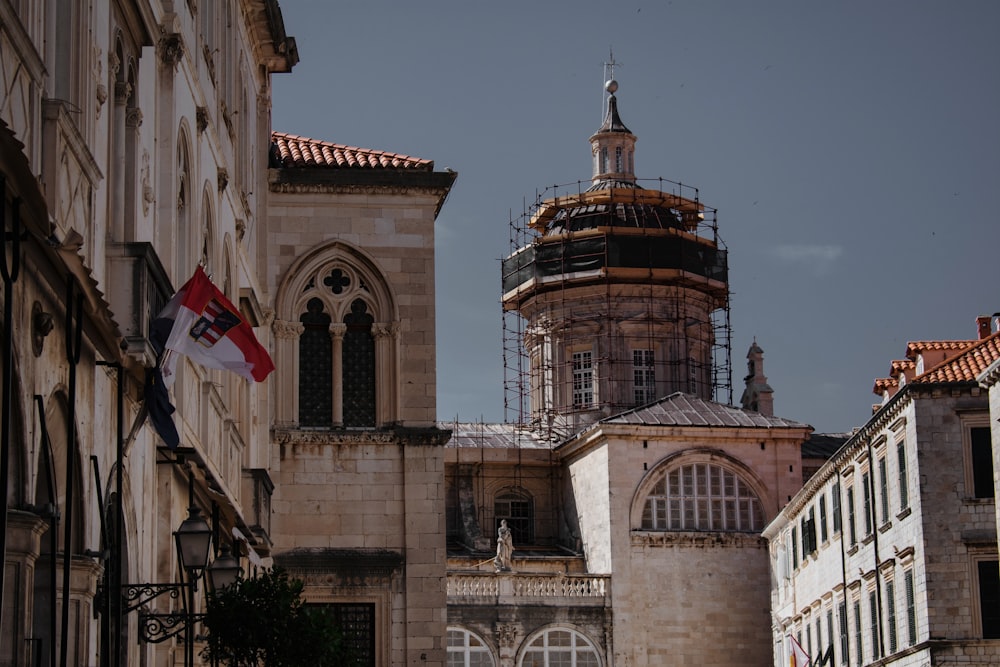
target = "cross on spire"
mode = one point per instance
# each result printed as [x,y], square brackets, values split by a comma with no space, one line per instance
[609,67]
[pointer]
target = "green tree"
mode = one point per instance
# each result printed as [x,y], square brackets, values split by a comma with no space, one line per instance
[263,622]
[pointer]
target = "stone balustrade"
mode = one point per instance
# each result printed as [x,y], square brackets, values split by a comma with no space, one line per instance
[579,590]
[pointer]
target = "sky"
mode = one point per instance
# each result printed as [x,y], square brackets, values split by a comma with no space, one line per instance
[852,150]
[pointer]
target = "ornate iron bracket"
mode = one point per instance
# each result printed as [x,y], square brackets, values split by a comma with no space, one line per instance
[138,595]
[156,628]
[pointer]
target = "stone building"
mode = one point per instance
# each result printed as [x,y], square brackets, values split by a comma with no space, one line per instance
[888,555]
[636,501]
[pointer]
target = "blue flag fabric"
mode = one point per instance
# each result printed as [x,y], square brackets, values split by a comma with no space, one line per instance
[159,408]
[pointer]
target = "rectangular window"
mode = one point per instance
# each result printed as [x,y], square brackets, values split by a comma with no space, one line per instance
[583,379]
[356,623]
[810,534]
[989,598]
[643,377]
[842,621]
[795,550]
[890,610]
[904,489]
[866,495]
[822,519]
[982,462]
[883,484]
[809,639]
[911,610]
[859,645]
[851,524]
[835,506]
[829,635]
[873,624]
[819,639]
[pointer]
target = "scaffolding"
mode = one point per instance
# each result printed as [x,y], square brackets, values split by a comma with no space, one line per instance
[635,273]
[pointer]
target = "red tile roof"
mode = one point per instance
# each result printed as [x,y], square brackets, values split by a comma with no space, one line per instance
[967,365]
[293,151]
[914,348]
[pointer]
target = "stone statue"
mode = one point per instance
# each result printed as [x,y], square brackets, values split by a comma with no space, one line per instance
[505,548]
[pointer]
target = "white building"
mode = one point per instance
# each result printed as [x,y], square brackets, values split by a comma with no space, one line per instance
[888,555]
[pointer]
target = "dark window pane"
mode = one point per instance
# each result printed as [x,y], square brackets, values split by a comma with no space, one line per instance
[989,598]
[315,367]
[982,462]
[359,367]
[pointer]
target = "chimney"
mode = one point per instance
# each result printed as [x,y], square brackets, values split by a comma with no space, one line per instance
[983,324]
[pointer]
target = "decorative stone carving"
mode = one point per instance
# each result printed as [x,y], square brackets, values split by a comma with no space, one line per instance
[287,330]
[505,548]
[223,178]
[337,330]
[147,189]
[41,326]
[385,329]
[506,635]
[171,49]
[133,117]
[201,119]
[123,90]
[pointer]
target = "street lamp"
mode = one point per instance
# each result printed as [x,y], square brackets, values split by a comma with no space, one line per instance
[193,540]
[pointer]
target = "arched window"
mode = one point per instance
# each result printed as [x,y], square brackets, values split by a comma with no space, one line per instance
[467,650]
[702,496]
[560,647]
[518,508]
[337,362]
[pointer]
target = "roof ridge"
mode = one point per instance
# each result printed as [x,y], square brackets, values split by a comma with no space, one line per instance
[925,377]
[293,150]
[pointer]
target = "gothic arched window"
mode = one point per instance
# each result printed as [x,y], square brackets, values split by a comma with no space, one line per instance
[337,353]
[702,496]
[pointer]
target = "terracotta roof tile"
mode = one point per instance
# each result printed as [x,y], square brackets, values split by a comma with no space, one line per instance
[882,384]
[899,365]
[967,365]
[914,348]
[293,151]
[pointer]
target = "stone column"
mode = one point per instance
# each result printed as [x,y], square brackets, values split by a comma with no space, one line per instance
[506,634]
[386,387]
[337,331]
[286,363]
[24,533]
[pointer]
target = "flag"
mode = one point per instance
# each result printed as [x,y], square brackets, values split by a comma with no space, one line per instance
[797,657]
[202,324]
[158,408]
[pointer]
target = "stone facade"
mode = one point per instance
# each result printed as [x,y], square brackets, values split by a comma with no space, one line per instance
[879,557]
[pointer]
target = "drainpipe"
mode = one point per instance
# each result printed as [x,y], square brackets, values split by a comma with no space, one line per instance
[74,332]
[10,273]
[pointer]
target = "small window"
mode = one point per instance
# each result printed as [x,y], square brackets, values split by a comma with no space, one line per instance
[604,160]
[618,159]
[911,610]
[643,377]
[859,645]
[822,519]
[842,622]
[873,624]
[866,495]
[583,379]
[989,597]
[518,509]
[852,528]
[890,619]
[835,507]
[904,489]
[883,486]
[982,462]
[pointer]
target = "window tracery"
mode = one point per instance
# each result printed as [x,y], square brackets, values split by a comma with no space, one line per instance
[702,496]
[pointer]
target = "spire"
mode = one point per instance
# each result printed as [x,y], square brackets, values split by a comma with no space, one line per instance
[613,145]
[758,395]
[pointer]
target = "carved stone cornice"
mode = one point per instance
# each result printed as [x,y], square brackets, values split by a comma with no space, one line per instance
[341,567]
[171,49]
[430,436]
[326,188]
[287,330]
[697,539]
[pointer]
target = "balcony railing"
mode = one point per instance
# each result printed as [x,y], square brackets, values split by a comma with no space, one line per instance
[577,590]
